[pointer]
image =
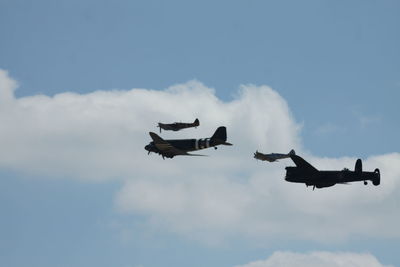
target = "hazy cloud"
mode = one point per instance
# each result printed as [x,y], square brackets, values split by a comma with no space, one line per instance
[317,259]
[329,128]
[365,120]
[368,120]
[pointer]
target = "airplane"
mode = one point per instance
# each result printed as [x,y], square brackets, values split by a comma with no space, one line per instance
[176,126]
[305,173]
[273,156]
[172,148]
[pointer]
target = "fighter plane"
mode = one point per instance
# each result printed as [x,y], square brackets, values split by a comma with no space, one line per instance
[273,156]
[176,126]
[305,173]
[172,148]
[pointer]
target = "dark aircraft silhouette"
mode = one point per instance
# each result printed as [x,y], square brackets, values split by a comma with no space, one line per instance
[305,173]
[176,126]
[273,156]
[172,148]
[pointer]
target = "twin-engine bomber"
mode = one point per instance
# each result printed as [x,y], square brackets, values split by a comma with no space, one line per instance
[177,147]
[305,173]
[176,126]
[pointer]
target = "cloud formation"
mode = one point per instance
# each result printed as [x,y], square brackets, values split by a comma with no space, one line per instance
[101,136]
[317,259]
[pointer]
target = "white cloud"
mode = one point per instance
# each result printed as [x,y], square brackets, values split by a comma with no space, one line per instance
[101,136]
[317,259]
[262,205]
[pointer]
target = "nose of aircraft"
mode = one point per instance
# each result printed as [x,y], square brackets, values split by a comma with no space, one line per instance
[147,147]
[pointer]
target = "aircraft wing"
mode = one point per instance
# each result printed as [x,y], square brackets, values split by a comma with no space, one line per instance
[301,163]
[167,148]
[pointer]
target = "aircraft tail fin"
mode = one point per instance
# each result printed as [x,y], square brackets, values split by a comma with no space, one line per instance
[358,167]
[292,152]
[219,137]
[196,122]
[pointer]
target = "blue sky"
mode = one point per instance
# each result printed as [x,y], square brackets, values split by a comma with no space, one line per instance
[334,63]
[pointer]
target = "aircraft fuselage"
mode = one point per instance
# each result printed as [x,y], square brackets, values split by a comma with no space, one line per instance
[186,145]
[176,126]
[329,178]
[175,147]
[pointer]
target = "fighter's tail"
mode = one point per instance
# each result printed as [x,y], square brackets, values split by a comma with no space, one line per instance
[219,137]
[292,152]
[196,122]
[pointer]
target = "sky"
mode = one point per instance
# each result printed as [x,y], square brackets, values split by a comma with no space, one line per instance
[83,82]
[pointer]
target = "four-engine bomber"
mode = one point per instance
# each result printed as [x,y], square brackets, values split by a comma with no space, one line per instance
[305,173]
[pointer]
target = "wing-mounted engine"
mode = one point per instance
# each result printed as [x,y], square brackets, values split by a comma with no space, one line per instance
[358,167]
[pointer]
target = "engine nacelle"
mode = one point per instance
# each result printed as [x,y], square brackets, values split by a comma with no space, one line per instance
[358,167]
